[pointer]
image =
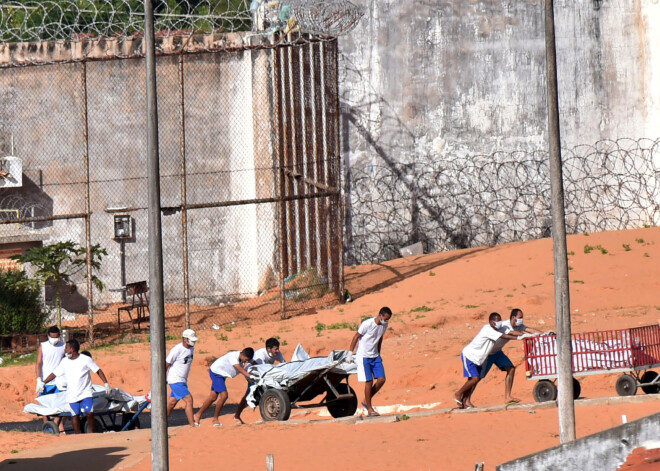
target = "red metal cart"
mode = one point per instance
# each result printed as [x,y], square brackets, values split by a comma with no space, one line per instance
[632,351]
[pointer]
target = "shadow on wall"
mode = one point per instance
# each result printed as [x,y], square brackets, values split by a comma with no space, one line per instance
[29,200]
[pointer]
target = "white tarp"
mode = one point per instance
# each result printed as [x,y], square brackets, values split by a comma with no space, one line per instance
[285,374]
[55,404]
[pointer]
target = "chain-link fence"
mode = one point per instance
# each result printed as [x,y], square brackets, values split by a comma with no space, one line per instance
[464,201]
[249,164]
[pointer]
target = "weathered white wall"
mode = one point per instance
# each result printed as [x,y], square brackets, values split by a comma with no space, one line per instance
[424,78]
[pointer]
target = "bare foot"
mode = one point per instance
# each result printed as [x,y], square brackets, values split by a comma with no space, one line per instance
[216,423]
[238,421]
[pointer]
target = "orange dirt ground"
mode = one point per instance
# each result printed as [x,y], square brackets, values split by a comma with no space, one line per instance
[456,291]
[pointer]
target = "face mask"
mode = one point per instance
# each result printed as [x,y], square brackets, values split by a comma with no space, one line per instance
[518,322]
[191,343]
[53,340]
[68,355]
[498,324]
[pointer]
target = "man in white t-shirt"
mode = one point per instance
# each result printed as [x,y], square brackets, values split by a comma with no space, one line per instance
[475,354]
[178,363]
[369,340]
[227,366]
[49,356]
[76,369]
[498,357]
[264,356]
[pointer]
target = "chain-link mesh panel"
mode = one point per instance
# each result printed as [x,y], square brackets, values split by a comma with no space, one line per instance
[249,182]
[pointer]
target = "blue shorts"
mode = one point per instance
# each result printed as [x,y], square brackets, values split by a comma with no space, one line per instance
[179,390]
[370,369]
[49,389]
[217,382]
[85,406]
[499,359]
[470,370]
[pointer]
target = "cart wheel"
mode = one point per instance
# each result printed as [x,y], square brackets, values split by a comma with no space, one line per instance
[275,405]
[126,418]
[50,427]
[545,390]
[626,386]
[344,407]
[650,377]
[98,426]
[577,389]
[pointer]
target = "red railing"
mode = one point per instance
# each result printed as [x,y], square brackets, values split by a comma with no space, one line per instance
[601,351]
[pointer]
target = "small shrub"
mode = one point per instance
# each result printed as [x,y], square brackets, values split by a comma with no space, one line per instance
[431,273]
[588,248]
[222,337]
[639,241]
[404,417]
[626,247]
[21,309]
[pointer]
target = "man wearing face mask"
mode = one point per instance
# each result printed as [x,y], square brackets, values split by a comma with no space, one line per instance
[369,340]
[497,357]
[49,356]
[475,354]
[76,369]
[264,356]
[178,363]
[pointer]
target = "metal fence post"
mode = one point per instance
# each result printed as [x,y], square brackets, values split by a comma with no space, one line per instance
[184,199]
[88,210]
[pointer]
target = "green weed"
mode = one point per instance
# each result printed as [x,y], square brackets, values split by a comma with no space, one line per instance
[471,306]
[404,417]
[319,327]
[646,254]
[420,316]
[571,253]
[431,273]
[626,247]
[588,248]
[509,296]
[221,336]
[229,328]
[639,241]
[580,282]
[421,309]
[523,285]
[342,325]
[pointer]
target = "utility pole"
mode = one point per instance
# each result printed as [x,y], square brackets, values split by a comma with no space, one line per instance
[159,446]
[562,300]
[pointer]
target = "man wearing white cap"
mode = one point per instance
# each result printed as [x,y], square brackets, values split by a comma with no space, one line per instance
[178,362]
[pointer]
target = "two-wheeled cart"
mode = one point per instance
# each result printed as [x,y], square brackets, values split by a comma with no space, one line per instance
[633,352]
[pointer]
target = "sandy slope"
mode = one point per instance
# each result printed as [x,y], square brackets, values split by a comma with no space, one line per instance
[455,292]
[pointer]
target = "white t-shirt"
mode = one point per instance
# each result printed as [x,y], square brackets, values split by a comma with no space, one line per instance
[224,366]
[180,358]
[78,377]
[478,350]
[371,334]
[505,329]
[51,355]
[261,357]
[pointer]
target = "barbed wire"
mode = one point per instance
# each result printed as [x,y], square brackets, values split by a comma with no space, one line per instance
[468,201]
[109,27]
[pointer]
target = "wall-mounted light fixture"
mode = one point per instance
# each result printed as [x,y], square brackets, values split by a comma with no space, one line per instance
[123,227]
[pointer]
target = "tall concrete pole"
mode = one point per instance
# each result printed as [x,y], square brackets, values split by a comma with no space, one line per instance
[562,300]
[159,446]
